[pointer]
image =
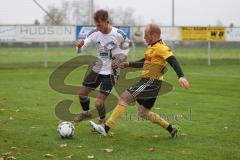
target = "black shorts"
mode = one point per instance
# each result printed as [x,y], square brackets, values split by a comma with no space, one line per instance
[93,80]
[146,91]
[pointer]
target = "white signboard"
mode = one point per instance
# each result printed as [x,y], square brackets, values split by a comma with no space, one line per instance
[167,34]
[46,33]
[170,33]
[7,33]
[232,34]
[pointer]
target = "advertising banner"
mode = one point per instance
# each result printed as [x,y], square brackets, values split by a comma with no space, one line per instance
[46,33]
[7,33]
[203,33]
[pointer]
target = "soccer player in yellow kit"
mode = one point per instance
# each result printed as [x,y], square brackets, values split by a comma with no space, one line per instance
[146,91]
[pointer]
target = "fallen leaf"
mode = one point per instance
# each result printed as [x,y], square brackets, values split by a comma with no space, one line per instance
[2,110]
[68,157]
[90,157]
[17,110]
[7,154]
[44,135]
[13,147]
[11,158]
[140,136]
[33,127]
[48,155]
[183,134]
[1,158]
[151,149]
[111,134]
[108,150]
[79,146]
[63,145]
[11,118]
[155,136]
[225,127]
[3,122]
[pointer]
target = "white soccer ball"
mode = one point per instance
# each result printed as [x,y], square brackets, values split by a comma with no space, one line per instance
[66,129]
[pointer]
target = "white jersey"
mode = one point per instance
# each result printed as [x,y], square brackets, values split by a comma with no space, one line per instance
[108,46]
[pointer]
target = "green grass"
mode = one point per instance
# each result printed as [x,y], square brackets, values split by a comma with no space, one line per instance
[212,131]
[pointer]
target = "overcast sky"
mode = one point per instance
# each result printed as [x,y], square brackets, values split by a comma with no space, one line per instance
[187,12]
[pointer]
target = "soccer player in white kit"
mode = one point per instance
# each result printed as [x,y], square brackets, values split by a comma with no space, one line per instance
[110,52]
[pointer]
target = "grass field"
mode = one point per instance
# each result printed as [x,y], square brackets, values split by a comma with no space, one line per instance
[208,113]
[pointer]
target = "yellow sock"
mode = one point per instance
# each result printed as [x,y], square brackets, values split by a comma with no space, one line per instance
[155,118]
[116,114]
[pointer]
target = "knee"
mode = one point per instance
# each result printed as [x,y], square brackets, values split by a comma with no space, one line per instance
[125,99]
[82,94]
[99,103]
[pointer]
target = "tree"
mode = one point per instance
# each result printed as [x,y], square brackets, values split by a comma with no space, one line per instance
[56,16]
[122,16]
[36,22]
[78,13]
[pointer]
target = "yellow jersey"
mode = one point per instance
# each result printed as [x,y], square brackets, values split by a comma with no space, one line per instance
[155,60]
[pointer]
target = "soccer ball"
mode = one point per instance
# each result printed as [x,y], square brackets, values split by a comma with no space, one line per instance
[66,129]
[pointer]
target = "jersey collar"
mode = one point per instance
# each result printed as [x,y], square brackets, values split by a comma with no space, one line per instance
[156,42]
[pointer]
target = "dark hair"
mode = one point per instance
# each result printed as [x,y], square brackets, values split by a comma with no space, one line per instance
[101,15]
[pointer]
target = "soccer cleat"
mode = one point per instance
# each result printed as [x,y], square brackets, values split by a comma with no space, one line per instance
[98,128]
[83,115]
[101,122]
[174,132]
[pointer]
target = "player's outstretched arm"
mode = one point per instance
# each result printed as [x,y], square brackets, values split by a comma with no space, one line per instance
[177,68]
[135,64]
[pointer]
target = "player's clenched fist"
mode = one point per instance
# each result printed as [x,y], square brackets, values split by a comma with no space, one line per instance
[116,62]
[79,43]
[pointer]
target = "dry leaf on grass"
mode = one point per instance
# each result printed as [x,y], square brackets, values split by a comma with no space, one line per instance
[1,158]
[2,110]
[68,157]
[140,136]
[44,135]
[3,122]
[108,150]
[111,134]
[11,118]
[17,110]
[48,155]
[6,154]
[155,136]
[11,158]
[63,145]
[90,157]
[13,147]
[79,146]
[151,149]
[182,134]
